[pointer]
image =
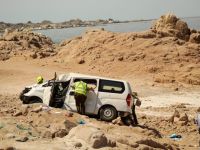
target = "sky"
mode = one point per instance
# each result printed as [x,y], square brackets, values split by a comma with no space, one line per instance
[15,11]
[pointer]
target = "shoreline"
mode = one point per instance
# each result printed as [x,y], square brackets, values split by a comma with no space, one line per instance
[45,25]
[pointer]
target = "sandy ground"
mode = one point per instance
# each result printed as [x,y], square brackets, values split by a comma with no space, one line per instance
[161,64]
[158,105]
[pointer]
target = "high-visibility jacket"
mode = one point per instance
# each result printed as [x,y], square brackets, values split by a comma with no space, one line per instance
[80,87]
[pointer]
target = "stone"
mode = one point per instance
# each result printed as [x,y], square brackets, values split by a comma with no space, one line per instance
[81,61]
[60,133]
[10,148]
[17,113]
[91,135]
[117,121]
[111,143]
[47,134]
[77,144]
[121,58]
[184,118]
[25,110]
[98,140]
[22,139]
[195,38]
[34,55]
[36,110]
[10,136]
[198,109]
[169,25]
[176,114]
[69,114]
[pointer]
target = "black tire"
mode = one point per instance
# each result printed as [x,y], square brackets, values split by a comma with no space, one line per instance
[108,113]
[35,100]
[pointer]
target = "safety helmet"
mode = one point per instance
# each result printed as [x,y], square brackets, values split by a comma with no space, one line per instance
[39,79]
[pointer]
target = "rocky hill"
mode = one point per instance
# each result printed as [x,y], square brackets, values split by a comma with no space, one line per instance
[169,51]
[25,43]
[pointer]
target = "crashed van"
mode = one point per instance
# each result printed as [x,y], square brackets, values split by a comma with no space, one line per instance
[110,97]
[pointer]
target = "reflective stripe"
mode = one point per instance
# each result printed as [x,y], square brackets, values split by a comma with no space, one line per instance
[81,87]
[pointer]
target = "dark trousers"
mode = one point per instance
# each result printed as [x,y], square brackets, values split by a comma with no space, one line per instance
[134,115]
[80,103]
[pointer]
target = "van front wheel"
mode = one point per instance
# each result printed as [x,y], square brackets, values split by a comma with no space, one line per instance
[108,113]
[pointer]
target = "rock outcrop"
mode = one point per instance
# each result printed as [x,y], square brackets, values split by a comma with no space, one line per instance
[25,43]
[170,25]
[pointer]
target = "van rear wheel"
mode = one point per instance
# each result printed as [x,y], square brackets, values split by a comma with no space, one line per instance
[108,113]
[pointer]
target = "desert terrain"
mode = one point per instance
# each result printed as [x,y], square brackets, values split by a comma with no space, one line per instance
[162,65]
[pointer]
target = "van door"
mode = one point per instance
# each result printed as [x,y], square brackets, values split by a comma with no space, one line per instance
[47,95]
[92,96]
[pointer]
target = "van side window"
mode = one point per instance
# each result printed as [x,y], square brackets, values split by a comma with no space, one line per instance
[111,86]
[88,81]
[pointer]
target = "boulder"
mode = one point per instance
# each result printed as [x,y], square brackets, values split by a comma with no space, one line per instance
[81,61]
[37,109]
[195,38]
[10,136]
[10,148]
[60,133]
[77,144]
[170,25]
[184,118]
[176,114]
[198,109]
[47,134]
[91,135]
[22,139]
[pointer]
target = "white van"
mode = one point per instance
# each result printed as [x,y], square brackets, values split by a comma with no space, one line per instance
[109,99]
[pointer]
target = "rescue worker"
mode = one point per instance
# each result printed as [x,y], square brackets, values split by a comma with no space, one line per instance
[80,95]
[39,80]
[137,103]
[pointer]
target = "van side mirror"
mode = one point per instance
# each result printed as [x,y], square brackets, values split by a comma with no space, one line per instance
[71,93]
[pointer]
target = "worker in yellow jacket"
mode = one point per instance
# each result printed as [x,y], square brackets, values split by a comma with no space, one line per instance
[81,88]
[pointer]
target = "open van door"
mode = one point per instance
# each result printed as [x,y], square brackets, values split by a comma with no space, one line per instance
[47,95]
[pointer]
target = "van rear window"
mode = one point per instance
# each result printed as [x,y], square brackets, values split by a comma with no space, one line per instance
[111,86]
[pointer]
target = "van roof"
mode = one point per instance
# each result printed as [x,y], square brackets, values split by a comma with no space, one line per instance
[65,76]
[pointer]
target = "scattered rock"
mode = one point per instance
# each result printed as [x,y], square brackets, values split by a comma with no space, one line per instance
[77,144]
[170,25]
[10,148]
[198,110]
[91,135]
[18,113]
[10,136]
[47,134]
[60,133]
[151,143]
[112,143]
[69,114]
[195,38]
[184,118]
[118,121]
[25,110]
[22,139]
[176,89]
[37,109]
[176,114]
[81,61]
